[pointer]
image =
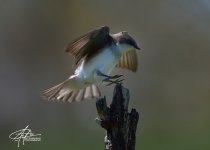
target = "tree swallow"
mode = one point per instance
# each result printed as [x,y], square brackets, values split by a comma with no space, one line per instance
[96,53]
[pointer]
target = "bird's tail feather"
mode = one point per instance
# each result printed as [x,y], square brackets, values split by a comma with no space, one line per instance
[61,93]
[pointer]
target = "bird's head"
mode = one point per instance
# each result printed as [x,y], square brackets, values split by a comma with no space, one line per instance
[126,39]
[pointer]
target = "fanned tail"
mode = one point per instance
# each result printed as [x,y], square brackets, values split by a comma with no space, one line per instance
[61,93]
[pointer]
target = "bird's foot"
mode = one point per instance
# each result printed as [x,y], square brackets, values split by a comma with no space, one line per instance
[99,73]
[110,82]
[115,77]
[110,79]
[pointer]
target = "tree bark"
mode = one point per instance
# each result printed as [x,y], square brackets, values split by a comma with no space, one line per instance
[120,125]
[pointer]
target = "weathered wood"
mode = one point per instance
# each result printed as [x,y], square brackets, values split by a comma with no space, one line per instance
[120,125]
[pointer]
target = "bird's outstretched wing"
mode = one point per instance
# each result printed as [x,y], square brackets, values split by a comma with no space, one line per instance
[129,60]
[88,44]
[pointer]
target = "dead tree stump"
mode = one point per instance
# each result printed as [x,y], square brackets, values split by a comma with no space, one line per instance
[120,125]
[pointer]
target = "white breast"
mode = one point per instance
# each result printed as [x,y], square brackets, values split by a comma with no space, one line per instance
[104,61]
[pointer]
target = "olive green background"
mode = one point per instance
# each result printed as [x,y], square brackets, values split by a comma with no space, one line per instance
[171,89]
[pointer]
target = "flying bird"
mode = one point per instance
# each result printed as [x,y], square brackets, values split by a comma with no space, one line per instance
[96,54]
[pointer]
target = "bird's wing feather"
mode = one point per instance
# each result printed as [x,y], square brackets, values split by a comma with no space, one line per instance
[89,43]
[129,61]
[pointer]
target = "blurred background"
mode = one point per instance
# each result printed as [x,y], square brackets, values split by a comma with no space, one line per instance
[171,89]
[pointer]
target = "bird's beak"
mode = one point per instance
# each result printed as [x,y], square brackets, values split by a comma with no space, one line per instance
[137,47]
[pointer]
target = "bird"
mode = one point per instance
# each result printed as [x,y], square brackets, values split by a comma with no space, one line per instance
[96,54]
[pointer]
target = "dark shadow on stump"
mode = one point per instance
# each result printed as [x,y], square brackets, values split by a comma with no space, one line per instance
[120,125]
